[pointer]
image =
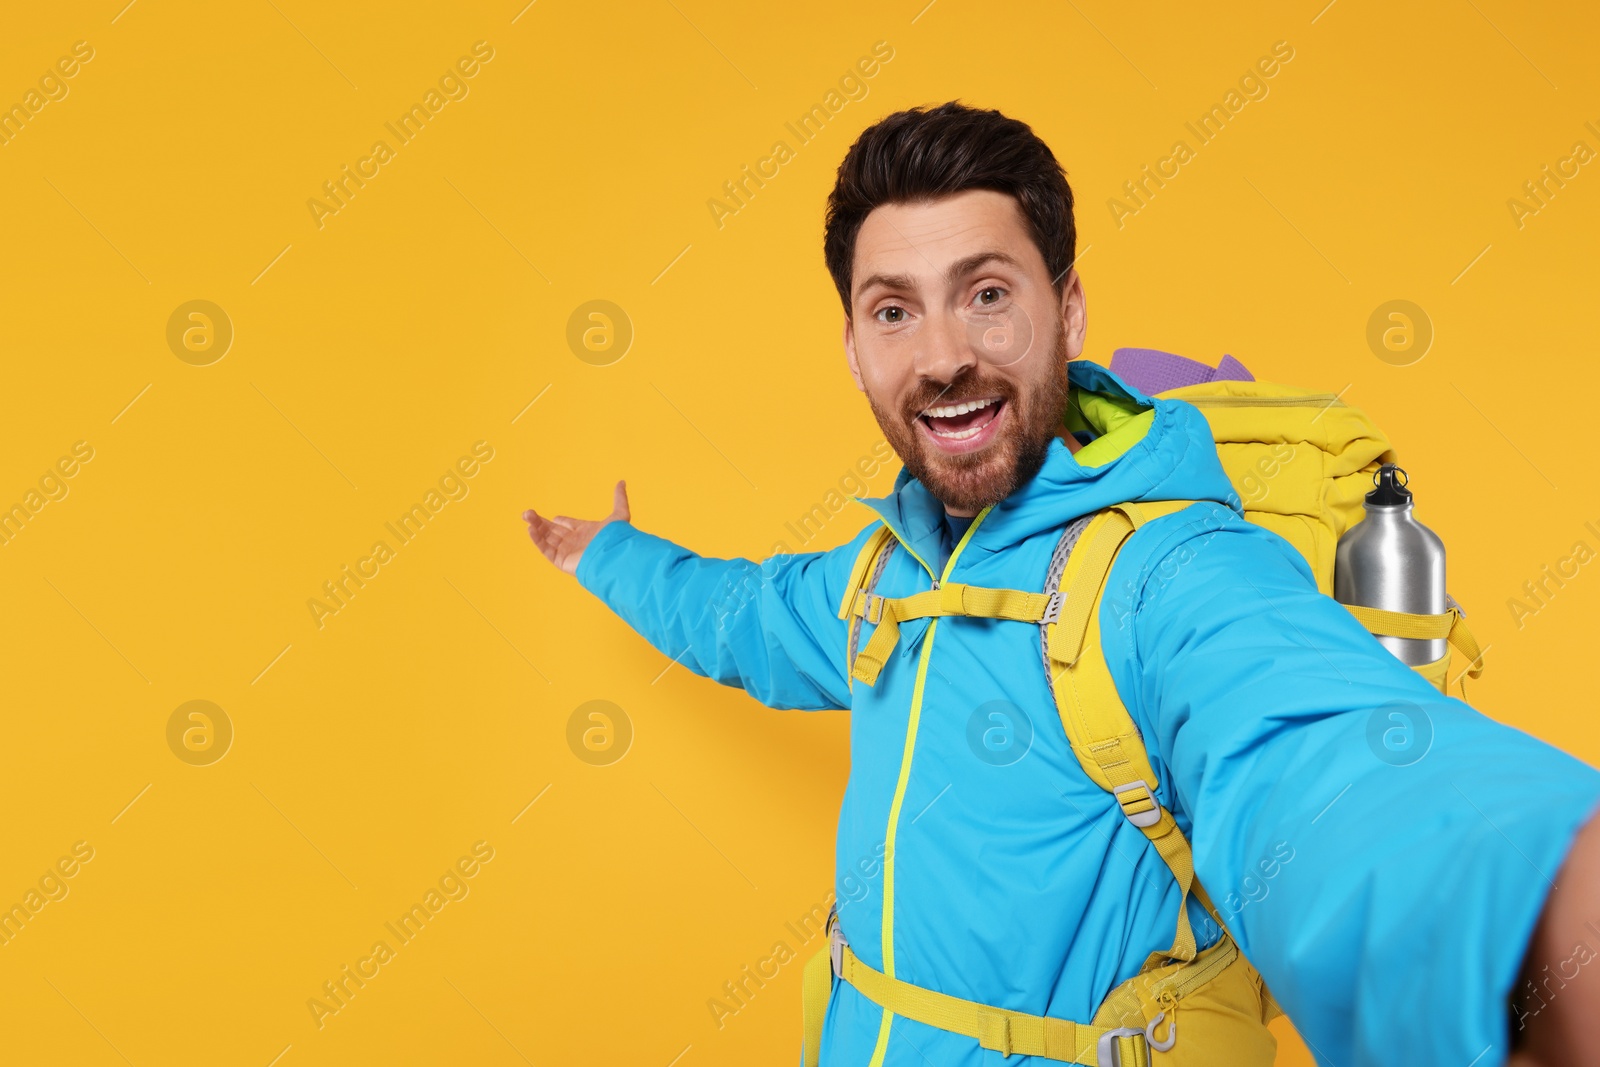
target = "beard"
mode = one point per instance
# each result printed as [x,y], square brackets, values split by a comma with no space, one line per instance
[974,480]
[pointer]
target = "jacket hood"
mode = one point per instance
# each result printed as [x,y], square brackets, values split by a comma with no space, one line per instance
[1175,459]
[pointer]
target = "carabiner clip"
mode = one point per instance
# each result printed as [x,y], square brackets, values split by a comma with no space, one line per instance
[1172,1033]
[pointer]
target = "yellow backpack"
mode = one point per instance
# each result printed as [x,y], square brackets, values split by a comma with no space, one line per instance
[1301,462]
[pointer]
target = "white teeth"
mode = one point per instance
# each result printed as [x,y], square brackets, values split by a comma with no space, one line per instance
[958,435]
[951,410]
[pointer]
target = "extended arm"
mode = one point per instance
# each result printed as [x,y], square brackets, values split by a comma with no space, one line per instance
[770,628]
[1556,1012]
[1424,837]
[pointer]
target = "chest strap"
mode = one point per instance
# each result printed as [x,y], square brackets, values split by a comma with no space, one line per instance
[954,598]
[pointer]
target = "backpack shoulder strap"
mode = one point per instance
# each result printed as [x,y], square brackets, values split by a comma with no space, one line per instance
[859,572]
[1102,733]
[864,575]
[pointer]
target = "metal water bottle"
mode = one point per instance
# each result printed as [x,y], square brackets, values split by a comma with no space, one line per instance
[1389,560]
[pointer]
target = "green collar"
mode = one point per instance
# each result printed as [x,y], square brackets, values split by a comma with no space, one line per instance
[1118,422]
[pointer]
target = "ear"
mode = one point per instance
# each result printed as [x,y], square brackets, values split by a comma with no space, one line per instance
[1074,314]
[850,353]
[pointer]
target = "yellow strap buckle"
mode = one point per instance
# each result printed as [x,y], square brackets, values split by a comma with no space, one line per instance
[1052,609]
[872,607]
[1107,1052]
[1138,803]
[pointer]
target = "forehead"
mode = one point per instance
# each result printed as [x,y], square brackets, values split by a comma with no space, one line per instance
[922,239]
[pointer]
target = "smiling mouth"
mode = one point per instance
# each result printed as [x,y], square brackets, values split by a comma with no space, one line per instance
[962,420]
[964,424]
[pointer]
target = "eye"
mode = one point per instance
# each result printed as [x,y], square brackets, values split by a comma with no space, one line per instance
[892,310]
[992,289]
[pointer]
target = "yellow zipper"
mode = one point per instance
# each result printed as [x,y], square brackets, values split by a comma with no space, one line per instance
[905,773]
[1307,400]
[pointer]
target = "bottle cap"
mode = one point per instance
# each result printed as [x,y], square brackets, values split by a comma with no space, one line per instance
[1391,491]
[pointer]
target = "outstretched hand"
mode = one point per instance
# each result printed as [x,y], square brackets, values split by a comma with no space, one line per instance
[562,539]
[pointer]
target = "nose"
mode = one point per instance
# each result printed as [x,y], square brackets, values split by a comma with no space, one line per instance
[943,352]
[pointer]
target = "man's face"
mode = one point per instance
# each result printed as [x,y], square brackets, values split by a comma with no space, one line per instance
[960,343]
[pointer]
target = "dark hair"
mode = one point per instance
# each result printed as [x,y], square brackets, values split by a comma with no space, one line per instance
[922,154]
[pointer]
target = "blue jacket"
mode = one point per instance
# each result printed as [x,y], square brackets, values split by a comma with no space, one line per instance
[1402,891]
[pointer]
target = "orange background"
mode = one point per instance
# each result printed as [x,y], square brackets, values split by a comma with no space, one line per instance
[370,753]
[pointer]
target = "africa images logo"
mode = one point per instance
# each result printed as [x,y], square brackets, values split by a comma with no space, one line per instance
[452,85]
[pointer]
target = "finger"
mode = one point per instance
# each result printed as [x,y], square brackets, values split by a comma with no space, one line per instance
[619,507]
[533,518]
[555,549]
[544,537]
[536,532]
[565,522]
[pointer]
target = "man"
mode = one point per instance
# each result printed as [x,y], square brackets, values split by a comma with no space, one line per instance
[1414,901]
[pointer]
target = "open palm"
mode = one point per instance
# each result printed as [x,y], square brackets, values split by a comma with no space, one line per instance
[562,538]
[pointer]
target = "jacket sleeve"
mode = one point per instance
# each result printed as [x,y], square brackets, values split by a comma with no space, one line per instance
[770,628]
[1381,852]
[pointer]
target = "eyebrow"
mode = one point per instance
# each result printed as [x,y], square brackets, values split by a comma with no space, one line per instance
[959,269]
